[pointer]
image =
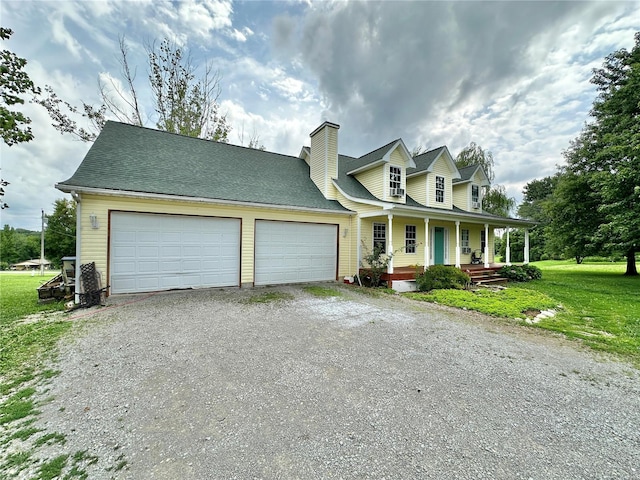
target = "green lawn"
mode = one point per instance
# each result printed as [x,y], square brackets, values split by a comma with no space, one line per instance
[23,344]
[599,305]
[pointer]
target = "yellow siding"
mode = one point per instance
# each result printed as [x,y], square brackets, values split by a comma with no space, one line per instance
[94,246]
[462,196]
[401,258]
[332,161]
[318,165]
[373,180]
[416,189]
[441,168]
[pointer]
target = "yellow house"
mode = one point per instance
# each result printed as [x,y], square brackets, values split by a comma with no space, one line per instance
[159,211]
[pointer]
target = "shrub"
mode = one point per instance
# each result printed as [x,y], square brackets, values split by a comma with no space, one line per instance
[517,273]
[533,272]
[442,277]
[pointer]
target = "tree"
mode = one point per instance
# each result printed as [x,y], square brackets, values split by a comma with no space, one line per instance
[18,245]
[573,218]
[606,154]
[474,154]
[60,233]
[495,199]
[183,102]
[14,81]
[536,194]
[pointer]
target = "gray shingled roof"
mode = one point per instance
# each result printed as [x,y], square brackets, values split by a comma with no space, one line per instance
[136,159]
[371,157]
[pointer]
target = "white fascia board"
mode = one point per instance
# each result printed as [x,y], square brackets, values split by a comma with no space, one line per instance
[180,198]
[416,174]
[451,216]
[409,162]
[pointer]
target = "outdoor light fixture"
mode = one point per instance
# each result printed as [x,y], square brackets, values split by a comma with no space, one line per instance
[94,221]
[345,233]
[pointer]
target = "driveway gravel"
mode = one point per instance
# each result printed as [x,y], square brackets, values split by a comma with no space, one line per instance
[207,384]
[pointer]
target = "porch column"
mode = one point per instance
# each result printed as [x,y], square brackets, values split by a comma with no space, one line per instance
[457,243]
[359,242]
[427,247]
[508,249]
[390,247]
[526,246]
[486,245]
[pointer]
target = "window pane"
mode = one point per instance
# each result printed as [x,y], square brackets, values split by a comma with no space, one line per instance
[395,177]
[439,189]
[380,236]
[410,238]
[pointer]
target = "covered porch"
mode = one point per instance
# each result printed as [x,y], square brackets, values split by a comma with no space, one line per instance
[413,241]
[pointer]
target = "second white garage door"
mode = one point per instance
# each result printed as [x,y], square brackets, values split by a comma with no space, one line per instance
[292,252]
[152,252]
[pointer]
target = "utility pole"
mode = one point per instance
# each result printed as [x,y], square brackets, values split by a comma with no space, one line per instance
[42,246]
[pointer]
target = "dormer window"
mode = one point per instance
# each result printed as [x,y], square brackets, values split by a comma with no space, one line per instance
[439,189]
[395,177]
[475,196]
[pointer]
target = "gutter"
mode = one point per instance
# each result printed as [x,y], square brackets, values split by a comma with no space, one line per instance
[212,201]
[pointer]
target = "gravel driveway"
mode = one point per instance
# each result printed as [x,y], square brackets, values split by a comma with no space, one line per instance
[204,384]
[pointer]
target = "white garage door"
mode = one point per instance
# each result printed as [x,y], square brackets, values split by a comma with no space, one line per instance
[161,252]
[290,252]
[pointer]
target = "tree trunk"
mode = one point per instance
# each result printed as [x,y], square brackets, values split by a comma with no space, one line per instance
[631,262]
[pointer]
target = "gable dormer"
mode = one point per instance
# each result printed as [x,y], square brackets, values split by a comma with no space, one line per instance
[384,171]
[322,158]
[469,190]
[431,182]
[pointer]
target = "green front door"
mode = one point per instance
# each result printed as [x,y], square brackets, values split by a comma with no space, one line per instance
[438,246]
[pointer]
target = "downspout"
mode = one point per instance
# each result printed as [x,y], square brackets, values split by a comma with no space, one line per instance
[76,197]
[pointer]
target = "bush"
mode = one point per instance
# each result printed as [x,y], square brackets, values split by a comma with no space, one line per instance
[442,277]
[533,272]
[517,273]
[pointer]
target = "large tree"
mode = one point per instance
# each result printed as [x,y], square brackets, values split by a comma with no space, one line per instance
[495,199]
[607,152]
[185,100]
[573,216]
[14,82]
[536,194]
[60,232]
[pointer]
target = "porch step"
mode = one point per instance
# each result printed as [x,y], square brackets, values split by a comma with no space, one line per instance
[486,276]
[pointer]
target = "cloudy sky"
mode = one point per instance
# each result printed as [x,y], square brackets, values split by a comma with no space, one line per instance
[511,76]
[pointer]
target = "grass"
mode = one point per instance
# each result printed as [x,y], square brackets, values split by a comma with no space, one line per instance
[511,303]
[320,291]
[599,305]
[268,297]
[22,343]
[24,348]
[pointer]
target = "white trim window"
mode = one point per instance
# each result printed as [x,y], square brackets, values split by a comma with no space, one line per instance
[380,237]
[439,189]
[464,238]
[395,177]
[475,194]
[410,238]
